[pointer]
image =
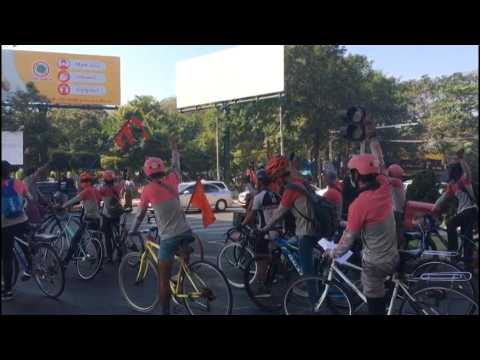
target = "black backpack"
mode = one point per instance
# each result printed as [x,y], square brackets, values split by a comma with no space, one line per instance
[324,220]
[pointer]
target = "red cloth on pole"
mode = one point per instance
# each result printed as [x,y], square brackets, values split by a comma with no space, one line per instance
[127,131]
[200,201]
[139,123]
[119,141]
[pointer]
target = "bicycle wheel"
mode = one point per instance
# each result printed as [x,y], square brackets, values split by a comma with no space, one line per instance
[47,269]
[438,266]
[207,290]
[89,257]
[139,287]
[15,271]
[233,260]
[308,295]
[437,300]
[268,293]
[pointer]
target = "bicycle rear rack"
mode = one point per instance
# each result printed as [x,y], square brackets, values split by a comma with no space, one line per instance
[445,276]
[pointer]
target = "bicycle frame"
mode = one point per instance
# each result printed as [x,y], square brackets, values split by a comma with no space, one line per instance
[149,250]
[284,246]
[398,285]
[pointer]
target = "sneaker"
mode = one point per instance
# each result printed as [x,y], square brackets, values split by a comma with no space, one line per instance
[7,295]
[26,276]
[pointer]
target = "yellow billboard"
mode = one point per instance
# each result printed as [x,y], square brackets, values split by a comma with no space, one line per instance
[62,78]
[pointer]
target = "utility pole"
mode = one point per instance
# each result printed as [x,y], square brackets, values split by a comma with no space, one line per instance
[218,150]
[226,145]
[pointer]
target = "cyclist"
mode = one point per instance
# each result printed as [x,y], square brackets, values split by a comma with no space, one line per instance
[395,177]
[90,198]
[161,192]
[371,216]
[333,193]
[279,169]
[263,206]
[111,212]
[460,186]
[35,210]
[14,223]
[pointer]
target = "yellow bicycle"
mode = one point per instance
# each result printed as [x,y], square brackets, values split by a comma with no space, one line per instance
[200,286]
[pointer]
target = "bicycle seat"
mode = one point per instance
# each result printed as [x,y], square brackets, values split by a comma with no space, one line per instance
[45,237]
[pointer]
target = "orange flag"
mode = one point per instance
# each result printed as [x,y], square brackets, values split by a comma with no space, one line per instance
[199,201]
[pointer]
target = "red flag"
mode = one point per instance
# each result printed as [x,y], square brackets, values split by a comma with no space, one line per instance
[199,201]
[127,131]
[139,123]
[119,141]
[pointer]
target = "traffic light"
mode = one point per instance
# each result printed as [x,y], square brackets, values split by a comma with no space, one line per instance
[354,130]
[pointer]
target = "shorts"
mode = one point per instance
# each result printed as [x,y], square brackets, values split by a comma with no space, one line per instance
[261,245]
[374,276]
[169,247]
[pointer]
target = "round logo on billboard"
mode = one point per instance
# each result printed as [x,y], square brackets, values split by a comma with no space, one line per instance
[63,89]
[63,76]
[41,69]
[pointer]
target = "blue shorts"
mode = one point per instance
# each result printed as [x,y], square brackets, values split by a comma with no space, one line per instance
[169,247]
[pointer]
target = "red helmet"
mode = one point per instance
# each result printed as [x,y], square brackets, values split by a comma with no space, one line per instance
[277,166]
[84,176]
[365,164]
[153,165]
[108,175]
[395,171]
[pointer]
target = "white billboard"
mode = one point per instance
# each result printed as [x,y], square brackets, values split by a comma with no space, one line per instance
[12,147]
[240,72]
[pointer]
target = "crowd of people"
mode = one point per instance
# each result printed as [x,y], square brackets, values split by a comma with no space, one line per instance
[369,205]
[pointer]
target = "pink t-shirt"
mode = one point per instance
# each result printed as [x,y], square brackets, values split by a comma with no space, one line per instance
[21,190]
[154,193]
[170,217]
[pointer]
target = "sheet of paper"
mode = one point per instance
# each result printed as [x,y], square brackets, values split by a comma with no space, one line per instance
[328,245]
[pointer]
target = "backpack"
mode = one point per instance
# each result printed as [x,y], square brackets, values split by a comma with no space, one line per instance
[12,204]
[324,220]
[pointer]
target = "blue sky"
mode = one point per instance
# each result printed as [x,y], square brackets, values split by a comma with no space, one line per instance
[150,69]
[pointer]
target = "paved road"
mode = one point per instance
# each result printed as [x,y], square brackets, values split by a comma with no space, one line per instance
[101,295]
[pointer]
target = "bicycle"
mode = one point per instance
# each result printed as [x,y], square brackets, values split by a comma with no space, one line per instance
[282,266]
[63,227]
[88,255]
[119,237]
[200,286]
[436,236]
[325,295]
[236,254]
[46,266]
